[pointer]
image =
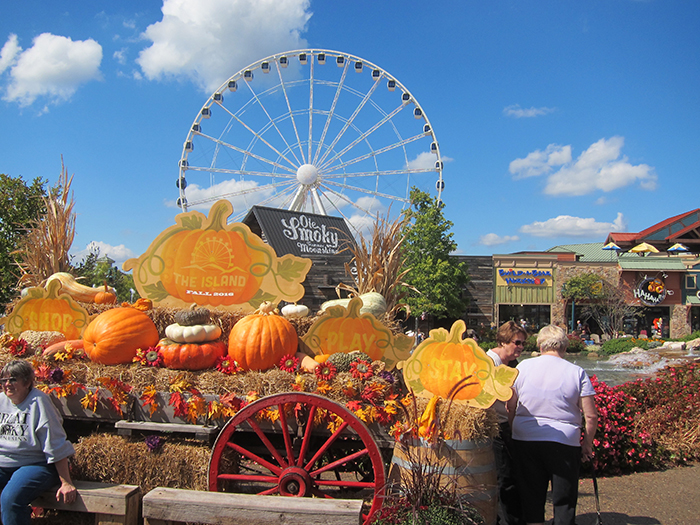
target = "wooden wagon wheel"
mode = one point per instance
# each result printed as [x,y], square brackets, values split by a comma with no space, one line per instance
[297,455]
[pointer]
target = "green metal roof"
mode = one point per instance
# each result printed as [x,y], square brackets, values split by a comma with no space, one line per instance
[652,263]
[590,252]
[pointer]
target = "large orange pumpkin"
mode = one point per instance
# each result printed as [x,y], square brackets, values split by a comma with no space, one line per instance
[47,310]
[113,337]
[445,363]
[259,340]
[213,265]
[191,356]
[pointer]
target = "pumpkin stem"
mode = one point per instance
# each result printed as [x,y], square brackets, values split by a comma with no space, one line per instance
[218,214]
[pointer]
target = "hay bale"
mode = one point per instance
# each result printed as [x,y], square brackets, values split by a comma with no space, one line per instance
[177,463]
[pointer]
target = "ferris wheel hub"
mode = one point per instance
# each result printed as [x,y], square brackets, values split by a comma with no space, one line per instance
[307,174]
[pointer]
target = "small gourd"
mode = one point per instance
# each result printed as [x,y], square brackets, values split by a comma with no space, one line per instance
[193,316]
[295,310]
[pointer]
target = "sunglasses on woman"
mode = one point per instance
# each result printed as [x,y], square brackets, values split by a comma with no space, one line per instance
[518,342]
[5,380]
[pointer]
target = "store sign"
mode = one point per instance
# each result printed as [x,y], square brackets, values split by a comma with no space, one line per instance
[524,276]
[303,234]
[651,291]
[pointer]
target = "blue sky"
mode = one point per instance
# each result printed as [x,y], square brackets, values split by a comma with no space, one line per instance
[558,122]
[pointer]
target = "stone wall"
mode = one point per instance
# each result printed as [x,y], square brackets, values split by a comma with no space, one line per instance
[679,324]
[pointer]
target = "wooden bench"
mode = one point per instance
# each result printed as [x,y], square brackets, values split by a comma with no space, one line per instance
[110,503]
[163,506]
[201,432]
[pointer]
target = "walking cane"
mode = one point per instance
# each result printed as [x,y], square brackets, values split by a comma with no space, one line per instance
[599,520]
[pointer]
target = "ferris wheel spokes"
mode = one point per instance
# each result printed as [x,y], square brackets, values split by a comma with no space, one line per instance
[331,111]
[348,122]
[290,111]
[359,139]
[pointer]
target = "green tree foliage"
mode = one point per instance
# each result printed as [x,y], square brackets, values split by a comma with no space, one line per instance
[95,270]
[20,204]
[601,300]
[438,277]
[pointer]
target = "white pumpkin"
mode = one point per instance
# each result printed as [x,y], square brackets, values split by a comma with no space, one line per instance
[295,310]
[199,333]
[372,303]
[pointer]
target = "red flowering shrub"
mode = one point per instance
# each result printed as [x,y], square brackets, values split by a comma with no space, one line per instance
[620,446]
[669,410]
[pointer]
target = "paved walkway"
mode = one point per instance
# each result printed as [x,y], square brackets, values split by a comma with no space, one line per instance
[669,497]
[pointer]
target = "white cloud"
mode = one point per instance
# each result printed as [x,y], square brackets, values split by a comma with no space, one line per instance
[568,226]
[425,161]
[55,66]
[602,167]
[242,195]
[9,52]
[209,40]
[516,111]
[118,253]
[492,239]
[120,56]
[539,162]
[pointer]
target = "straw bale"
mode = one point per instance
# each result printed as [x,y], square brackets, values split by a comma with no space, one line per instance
[178,463]
[461,421]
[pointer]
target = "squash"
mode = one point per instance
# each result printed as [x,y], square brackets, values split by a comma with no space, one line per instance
[141,303]
[192,334]
[307,363]
[75,344]
[191,356]
[113,337]
[72,287]
[192,316]
[295,310]
[259,340]
[372,303]
[105,297]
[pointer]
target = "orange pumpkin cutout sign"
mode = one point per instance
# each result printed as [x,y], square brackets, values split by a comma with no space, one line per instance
[206,261]
[343,329]
[47,309]
[443,359]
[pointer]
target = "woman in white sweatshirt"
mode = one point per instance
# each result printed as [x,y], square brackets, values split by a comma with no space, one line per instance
[34,449]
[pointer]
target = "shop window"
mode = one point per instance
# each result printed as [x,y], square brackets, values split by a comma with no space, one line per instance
[690,282]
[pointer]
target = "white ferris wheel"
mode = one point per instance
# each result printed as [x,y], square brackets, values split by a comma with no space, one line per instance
[315,131]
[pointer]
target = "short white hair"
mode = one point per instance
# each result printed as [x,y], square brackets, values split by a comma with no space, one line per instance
[552,337]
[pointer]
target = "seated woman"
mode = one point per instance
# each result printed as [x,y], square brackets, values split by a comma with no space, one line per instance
[545,413]
[34,450]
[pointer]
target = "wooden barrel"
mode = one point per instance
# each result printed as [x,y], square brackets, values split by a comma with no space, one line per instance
[468,466]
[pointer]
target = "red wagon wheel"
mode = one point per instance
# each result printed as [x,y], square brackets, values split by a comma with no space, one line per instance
[283,445]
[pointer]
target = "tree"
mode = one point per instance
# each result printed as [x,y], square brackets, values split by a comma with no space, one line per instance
[96,270]
[438,277]
[600,299]
[20,204]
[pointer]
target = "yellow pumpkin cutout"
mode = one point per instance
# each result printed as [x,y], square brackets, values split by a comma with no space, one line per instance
[445,358]
[47,309]
[206,261]
[346,330]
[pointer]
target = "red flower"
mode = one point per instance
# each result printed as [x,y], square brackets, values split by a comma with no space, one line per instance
[150,357]
[325,371]
[361,369]
[18,347]
[226,365]
[289,363]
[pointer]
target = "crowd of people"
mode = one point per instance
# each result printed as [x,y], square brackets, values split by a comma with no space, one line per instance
[546,428]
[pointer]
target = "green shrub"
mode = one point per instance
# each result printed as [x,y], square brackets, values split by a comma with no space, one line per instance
[487,345]
[623,344]
[531,344]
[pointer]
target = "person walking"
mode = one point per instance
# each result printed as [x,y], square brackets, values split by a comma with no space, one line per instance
[549,396]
